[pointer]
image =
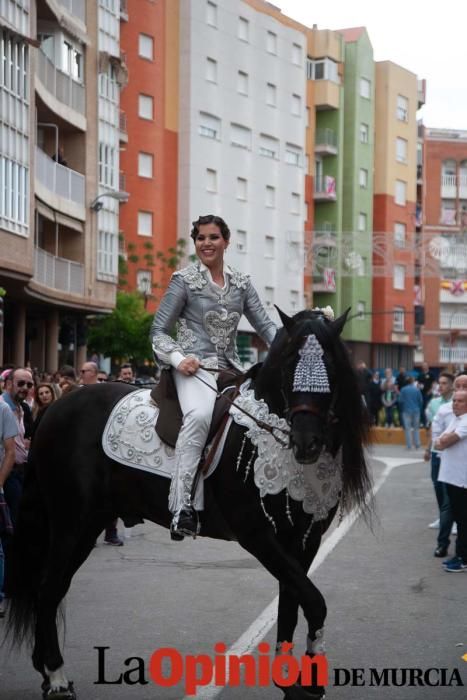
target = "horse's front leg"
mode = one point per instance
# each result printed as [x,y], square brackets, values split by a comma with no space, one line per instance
[296,589]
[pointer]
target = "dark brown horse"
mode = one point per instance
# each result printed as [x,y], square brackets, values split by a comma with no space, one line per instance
[72,489]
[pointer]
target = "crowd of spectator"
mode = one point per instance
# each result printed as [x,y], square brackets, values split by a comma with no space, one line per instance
[25,396]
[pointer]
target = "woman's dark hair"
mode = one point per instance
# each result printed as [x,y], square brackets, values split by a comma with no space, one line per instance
[210,219]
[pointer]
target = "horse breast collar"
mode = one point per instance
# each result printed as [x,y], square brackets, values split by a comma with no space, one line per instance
[317,486]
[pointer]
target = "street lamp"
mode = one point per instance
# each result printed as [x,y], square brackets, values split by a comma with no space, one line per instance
[97,204]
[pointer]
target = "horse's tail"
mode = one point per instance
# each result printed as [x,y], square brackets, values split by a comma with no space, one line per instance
[24,567]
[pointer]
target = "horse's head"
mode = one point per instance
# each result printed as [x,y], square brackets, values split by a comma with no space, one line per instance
[309,380]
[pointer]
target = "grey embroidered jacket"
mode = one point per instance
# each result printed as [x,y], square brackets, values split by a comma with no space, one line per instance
[206,317]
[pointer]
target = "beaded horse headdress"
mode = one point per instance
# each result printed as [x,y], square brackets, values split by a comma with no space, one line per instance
[310,372]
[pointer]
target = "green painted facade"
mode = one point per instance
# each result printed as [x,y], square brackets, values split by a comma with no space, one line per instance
[353,208]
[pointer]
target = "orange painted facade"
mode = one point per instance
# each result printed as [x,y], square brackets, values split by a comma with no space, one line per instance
[386,255]
[157,137]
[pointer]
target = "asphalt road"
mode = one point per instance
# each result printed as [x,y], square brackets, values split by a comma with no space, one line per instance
[390,604]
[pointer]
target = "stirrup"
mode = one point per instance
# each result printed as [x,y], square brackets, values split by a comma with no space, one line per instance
[185,523]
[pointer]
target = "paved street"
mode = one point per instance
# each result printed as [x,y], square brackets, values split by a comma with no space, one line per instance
[389,602]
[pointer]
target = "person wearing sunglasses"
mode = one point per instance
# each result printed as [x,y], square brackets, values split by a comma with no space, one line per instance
[17,385]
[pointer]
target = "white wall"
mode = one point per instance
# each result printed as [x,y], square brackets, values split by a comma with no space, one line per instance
[198,40]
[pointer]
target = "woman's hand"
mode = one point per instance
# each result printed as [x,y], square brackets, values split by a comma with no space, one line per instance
[189,366]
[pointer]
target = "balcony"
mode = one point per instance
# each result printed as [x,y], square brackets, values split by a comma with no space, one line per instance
[326,94]
[124,10]
[58,273]
[60,187]
[448,217]
[454,320]
[326,142]
[453,355]
[325,189]
[65,96]
[325,281]
[324,238]
[122,122]
[463,187]
[77,8]
[448,186]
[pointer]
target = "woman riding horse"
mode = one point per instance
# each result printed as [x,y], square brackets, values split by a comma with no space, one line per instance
[205,302]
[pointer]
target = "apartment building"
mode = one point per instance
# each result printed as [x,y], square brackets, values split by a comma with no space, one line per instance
[395,194]
[443,247]
[149,151]
[59,203]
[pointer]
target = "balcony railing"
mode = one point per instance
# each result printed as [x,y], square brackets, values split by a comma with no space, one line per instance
[448,186]
[453,354]
[326,141]
[60,84]
[453,320]
[75,7]
[58,273]
[325,188]
[60,180]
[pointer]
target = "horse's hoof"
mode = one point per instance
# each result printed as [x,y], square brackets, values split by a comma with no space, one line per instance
[62,693]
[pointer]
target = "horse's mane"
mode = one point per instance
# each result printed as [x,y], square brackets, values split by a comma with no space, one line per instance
[353,425]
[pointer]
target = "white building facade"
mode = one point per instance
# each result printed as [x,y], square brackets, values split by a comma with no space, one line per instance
[242,140]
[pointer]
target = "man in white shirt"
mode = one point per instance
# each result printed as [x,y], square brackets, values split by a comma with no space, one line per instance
[453,471]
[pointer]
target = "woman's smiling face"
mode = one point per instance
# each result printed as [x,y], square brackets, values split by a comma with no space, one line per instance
[210,245]
[45,395]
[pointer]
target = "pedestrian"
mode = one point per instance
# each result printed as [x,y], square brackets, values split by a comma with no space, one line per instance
[44,396]
[68,381]
[126,374]
[425,381]
[102,376]
[375,398]
[402,379]
[389,401]
[88,373]
[410,408]
[453,472]
[8,433]
[204,302]
[445,516]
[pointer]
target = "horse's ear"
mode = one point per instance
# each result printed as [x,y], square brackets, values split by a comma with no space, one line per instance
[339,323]
[287,321]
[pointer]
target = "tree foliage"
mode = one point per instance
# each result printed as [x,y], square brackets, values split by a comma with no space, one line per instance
[124,334]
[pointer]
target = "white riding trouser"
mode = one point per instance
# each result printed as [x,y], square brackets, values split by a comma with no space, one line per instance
[197,403]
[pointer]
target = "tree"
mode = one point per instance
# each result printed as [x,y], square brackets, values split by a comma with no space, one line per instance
[124,334]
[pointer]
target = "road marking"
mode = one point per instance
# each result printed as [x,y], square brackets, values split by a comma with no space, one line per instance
[260,627]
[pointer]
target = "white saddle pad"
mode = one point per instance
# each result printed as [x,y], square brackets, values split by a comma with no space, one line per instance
[129,437]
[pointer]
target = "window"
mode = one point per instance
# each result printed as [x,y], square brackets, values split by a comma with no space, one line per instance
[145,106]
[322,69]
[211,180]
[363,178]
[361,310]
[242,188]
[401,192]
[243,29]
[398,319]
[145,163]
[268,296]
[294,299]
[399,235]
[144,281]
[209,126]
[296,54]
[211,70]
[401,150]
[146,46]
[362,221]
[271,42]
[402,110]
[270,196]
[271,94]
[241,240]
[211,13]
[144,223]
[365,88]
[269,245]
[296,105]
[294,203]
[107,164]
[293,154]
[364,133]
[242,82]
[240,136]
[268,146]
[107,256]
[72,60]
[13,195]
[399,277]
